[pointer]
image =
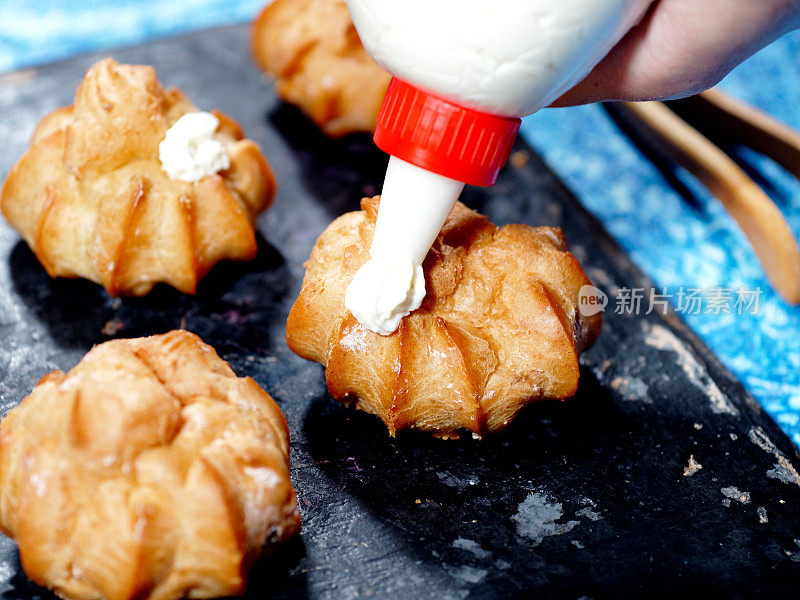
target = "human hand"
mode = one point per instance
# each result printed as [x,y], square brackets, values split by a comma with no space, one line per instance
[682,47]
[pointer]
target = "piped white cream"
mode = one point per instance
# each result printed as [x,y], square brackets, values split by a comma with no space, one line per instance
[390,285]
[383,292]
[189,151]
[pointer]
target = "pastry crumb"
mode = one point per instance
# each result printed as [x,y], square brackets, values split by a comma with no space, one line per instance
[734,493]
[762,515]
[519,159]
[113,327]
[692,468]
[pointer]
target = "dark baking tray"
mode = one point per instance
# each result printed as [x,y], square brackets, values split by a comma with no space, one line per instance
[583,498]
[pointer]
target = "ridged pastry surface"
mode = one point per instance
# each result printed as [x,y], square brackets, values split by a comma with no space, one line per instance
[498,328]
[312,49]
[91,199]
[149,471]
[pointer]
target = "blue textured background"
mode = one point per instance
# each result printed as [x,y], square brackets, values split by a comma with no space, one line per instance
[676,243]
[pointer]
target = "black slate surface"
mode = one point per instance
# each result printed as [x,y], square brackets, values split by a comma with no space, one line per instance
[587,498]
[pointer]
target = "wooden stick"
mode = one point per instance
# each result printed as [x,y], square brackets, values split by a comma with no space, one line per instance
[757,215]
[723,117]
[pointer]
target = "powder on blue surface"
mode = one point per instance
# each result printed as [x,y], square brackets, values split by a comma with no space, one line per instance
[675,243]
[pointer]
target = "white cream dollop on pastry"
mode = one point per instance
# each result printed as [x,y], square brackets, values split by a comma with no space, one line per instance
[189,151]
[383,292]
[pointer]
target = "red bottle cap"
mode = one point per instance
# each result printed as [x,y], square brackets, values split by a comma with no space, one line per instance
[440,136]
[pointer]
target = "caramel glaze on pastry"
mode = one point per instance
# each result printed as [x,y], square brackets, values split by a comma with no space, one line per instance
[498,328]
[91,199]
[148,471]
[311,47]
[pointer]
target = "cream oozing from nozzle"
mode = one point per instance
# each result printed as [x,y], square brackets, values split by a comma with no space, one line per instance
[390,285]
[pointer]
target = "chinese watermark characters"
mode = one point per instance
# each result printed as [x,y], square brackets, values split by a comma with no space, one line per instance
[684,300]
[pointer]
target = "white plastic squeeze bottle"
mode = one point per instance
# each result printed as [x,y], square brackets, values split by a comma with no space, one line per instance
[465,71]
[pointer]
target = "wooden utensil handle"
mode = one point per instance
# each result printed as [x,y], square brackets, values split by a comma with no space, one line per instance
[762,222]
[723,117]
